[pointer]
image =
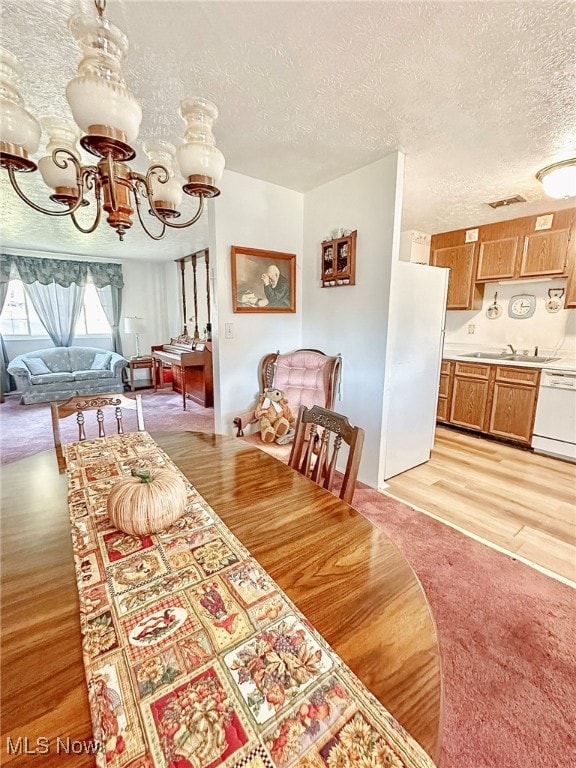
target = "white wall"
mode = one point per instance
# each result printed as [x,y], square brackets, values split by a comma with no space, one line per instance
[545,329]
[353,320]
[144,296]
[251,213]
[173,290]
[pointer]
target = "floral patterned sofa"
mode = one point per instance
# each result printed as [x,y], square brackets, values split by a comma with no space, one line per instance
[60,372]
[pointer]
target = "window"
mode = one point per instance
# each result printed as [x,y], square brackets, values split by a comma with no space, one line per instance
[92,319]
[19,317]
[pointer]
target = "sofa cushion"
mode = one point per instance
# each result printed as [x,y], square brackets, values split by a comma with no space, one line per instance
[93,374]
[52,378]
[101,361]
[81,358]
[57,359]
[36,365]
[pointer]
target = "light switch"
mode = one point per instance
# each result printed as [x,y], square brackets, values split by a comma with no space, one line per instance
[228,330]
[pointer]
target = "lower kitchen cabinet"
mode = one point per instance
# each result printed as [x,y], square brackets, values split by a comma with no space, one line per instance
[514,400]
[444,391]
[492,399]
[469,399]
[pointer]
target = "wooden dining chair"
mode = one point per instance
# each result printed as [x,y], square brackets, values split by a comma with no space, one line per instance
[317,442]
[77,405]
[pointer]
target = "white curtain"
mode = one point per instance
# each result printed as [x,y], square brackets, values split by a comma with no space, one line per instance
[7,383]
[58,308]
[111,299]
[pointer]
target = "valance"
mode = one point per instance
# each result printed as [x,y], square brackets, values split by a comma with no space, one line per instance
[106,274]
[63,272]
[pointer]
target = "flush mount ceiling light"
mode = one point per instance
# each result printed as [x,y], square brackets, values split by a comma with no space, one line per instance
[109,115]
[559,179]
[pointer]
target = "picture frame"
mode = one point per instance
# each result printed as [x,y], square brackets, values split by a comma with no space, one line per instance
[262,281]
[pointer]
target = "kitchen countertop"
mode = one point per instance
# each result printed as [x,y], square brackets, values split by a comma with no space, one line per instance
[566,358]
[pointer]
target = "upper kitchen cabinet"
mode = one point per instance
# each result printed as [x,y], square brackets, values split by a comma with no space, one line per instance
[570,298]
[545,253]
[518,249]
[521,248]
[449,250]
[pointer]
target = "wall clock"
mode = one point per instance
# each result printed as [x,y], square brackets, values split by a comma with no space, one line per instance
[522,306]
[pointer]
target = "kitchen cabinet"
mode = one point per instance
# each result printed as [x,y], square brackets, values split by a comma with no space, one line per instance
[506,250]
[513,407]
[497,259]
[545,253]
[444,391]
[469,397]
[492,399]
[461,261]
[570,298]
[515,249]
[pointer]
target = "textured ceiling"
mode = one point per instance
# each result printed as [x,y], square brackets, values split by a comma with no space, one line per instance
[478,95]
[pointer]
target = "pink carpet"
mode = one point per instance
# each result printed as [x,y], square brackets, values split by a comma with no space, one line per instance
[27,429]
[508,643]
[507,632]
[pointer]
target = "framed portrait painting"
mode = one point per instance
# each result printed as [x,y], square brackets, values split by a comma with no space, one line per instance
[263,281]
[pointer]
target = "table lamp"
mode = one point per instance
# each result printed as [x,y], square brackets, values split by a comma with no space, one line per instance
[136,326]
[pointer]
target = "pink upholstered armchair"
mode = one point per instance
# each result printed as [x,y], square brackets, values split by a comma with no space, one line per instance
[307,377]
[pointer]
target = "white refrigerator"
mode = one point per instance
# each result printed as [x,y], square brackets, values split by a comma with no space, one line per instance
[415,341]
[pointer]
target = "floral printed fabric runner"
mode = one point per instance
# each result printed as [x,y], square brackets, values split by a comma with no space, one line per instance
[194,657]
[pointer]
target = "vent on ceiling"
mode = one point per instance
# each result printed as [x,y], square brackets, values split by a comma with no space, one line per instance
[507,201]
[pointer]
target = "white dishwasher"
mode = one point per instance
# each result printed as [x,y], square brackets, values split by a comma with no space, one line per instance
[555,423]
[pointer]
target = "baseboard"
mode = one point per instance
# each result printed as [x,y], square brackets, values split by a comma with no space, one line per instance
[481,540]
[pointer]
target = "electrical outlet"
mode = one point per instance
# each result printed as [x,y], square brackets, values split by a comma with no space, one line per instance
[228,330]
[471,329]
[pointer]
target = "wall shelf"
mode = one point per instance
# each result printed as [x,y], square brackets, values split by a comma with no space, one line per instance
[339,261]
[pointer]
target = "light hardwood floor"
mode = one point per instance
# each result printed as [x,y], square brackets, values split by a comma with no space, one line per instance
[515,499]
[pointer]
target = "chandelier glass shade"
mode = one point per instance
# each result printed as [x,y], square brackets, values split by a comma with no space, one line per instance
[559,179]
[108,117]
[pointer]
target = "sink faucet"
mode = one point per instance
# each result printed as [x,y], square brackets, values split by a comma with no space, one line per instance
[511,348]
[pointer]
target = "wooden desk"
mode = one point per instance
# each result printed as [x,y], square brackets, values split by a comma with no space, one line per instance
[346,576]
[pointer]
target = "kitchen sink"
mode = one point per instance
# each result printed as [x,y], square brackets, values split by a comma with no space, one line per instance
[530,358]
[487,355]
[512,358]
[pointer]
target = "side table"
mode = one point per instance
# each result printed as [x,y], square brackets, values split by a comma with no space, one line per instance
[140,362]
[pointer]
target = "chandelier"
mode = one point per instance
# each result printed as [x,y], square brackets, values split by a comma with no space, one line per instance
[109,117]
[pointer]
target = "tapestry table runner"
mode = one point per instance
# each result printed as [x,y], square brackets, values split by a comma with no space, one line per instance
[194,656]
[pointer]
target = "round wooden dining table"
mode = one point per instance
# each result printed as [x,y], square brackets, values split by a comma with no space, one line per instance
[345,575]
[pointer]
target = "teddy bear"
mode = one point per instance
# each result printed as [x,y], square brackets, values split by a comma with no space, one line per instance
[274,414]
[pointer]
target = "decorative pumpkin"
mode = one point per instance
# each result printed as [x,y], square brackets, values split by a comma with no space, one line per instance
[148,501]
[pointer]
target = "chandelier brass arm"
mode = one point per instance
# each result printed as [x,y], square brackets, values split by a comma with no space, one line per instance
[61,162]
[141,220]
[91,181]
[162,175]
